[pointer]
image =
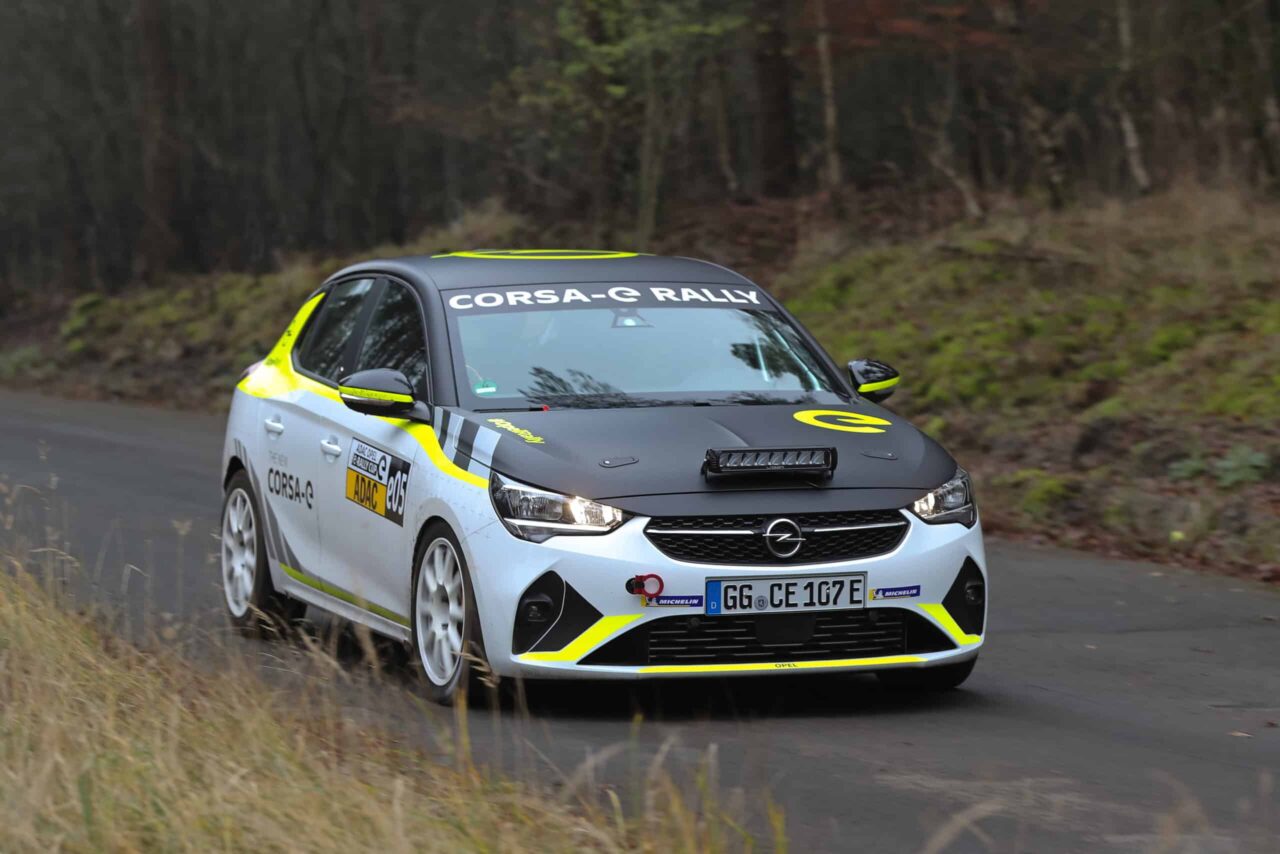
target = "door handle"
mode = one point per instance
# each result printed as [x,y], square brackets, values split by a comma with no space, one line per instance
[274,426]
[330,448]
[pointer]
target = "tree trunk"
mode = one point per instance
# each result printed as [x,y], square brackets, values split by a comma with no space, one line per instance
[1123,97]
[648,176]
[1273,22]
[602,193]
[1262,32]
[157,243]
[778,164]
[507,27]
[833,176]
[1227,100]
[719,108]
[939,151]
[666,108]
[1036,118]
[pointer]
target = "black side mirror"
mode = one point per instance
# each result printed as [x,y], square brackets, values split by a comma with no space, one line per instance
[381,391]
[874,380]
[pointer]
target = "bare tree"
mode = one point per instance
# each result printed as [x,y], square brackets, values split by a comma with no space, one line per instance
[833,177]
[1044,132]
[1262,39]
[1122,95]
[157,244]
[935,141]
[778,162]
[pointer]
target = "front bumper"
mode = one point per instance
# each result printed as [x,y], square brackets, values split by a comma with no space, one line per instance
[597,567]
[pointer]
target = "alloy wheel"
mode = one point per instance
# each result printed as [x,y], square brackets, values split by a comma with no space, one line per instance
[239,552]
[440,611]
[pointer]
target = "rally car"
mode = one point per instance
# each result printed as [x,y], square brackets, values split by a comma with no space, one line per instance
[574,464]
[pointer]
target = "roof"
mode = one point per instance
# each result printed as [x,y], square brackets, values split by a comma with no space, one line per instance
[496,267]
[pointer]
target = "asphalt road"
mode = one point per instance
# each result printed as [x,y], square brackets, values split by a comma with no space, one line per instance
[1117,706]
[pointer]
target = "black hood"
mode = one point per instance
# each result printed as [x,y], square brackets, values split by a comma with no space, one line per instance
[586,451]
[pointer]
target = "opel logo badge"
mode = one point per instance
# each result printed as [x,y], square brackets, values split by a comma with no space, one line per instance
[783,538]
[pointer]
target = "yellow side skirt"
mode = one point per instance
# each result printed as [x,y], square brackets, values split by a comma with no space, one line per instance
[784,665]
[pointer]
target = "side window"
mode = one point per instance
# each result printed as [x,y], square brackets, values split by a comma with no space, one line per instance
[395,340]
[324,350]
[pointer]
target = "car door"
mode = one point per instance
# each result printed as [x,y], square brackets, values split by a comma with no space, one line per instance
[299,447]
[369,546]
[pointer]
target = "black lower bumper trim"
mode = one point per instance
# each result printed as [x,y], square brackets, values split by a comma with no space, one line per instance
[770,638]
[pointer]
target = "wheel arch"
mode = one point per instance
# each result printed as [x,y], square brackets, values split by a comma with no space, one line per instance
[419,541]
[235,464]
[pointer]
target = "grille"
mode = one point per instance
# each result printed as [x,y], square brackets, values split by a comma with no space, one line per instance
[769,638]
[740,539]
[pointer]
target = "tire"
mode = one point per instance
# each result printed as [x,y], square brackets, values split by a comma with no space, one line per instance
[253,604]
[450,656]
[927,679]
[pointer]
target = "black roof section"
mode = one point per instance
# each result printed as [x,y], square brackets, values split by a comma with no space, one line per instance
[497,267]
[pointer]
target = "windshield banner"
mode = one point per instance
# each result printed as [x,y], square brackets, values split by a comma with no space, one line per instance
[501,300]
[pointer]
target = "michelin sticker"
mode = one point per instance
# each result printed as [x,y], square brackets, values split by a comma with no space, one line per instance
[895,592]
[377,481]
[672,601]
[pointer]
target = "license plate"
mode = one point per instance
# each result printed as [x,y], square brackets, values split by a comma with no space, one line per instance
[786,593]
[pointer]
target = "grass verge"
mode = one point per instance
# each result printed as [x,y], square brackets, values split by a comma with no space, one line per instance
[104,747]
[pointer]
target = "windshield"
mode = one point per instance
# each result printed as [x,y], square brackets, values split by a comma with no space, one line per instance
[624,346]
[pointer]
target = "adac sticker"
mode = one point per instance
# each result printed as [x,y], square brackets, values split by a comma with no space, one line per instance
[673,601]
[895,592]
[377,481]
[838,419]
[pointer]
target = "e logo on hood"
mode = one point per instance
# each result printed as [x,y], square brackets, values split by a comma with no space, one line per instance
[847,422]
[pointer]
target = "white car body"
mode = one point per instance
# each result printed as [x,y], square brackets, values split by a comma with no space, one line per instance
[329,546]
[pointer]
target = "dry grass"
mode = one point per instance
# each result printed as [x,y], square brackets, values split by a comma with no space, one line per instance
[104,747]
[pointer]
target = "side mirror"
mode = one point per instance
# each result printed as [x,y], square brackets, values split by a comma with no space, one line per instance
[874,380]
[377,392]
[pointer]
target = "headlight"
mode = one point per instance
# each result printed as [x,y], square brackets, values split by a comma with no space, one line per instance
[951,502]
[536,514]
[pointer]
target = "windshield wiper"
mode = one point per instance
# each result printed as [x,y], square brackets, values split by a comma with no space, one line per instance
[750,400]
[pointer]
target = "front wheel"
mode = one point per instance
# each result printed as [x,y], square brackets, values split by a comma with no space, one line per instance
[446,627]
[928,679]
[252,601]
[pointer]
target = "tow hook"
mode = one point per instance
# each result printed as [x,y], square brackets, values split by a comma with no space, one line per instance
[648,586]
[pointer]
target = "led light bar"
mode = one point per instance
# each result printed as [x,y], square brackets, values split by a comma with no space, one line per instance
[770,460]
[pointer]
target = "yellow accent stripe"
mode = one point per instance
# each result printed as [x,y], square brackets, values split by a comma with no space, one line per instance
[944,619]
[430,443]
[600,631]
[370,394]
[883,384]
[339,593]
[275,377]
[539,254]
[784,665]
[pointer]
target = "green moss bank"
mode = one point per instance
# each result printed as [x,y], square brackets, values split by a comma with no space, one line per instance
[1112,376]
